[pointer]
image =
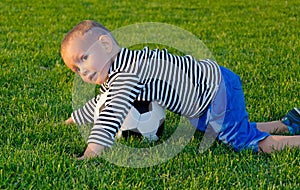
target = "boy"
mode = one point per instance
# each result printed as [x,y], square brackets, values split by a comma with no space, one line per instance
[201,90]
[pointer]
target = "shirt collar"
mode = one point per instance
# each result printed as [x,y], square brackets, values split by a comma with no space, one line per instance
[118,61]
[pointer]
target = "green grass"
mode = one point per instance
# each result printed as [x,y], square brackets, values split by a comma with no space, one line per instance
[257,40]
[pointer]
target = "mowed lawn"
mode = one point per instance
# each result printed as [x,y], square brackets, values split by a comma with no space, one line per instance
[259,40]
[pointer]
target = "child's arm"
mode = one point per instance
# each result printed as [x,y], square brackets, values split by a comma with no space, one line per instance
[85,114]
[124,88]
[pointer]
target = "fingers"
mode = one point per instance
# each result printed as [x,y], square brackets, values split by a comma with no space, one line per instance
[88,154]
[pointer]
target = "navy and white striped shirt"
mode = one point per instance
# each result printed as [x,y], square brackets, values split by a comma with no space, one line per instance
[181,84]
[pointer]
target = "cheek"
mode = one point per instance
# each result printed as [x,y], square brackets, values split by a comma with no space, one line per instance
[98,62]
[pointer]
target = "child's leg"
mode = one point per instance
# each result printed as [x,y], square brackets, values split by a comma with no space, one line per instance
[289,124]
[274,127]
[276,143]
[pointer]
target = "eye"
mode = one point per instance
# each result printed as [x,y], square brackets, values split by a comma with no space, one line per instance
[84,58]
[77,69]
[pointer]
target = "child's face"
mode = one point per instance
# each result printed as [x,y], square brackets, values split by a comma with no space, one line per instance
[90,56]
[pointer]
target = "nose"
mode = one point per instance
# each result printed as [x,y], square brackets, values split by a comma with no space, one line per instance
[83,71]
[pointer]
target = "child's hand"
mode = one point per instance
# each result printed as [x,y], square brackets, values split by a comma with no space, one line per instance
[87,154]
[69,121]
[93,150]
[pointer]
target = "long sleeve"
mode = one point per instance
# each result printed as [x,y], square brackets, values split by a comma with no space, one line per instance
[124,88]
[85,114]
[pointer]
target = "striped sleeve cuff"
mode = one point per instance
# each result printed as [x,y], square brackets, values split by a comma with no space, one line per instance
[101,137]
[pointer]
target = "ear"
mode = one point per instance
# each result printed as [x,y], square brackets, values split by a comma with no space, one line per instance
[106,43]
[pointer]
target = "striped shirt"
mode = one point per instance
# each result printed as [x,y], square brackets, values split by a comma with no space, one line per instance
[181,84]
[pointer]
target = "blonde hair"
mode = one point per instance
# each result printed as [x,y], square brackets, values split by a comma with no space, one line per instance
[80,29]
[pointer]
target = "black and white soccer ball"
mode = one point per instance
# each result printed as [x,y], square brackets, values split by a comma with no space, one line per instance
[145,118]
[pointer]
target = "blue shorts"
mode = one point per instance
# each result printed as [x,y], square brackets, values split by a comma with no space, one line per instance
[227,116]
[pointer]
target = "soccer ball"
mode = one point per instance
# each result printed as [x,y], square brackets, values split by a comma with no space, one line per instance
[145,118]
